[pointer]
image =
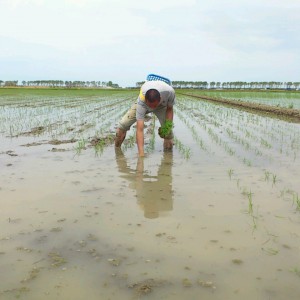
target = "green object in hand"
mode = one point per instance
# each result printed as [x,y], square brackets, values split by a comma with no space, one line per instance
[165,130]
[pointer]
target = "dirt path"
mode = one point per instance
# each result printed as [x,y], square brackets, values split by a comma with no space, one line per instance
[288,114]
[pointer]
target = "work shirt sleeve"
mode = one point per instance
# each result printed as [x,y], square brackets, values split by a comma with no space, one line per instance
[140,110]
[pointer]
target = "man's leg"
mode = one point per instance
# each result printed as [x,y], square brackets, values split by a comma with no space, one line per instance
[120,137]
[124,125]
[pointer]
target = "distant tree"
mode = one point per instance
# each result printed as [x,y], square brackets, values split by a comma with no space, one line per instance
[11,83]
[296,85]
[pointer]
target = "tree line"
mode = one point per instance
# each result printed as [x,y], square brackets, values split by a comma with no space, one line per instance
[232,85]
[59,83]
[289,85]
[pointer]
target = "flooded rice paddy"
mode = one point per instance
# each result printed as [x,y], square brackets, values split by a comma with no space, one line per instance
[217,218]
[281,99]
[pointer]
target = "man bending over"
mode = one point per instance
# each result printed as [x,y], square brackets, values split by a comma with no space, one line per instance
[157,97]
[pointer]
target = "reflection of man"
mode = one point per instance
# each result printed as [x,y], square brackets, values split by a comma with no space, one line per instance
[154,193]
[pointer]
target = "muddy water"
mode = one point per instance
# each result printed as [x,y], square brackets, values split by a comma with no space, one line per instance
[114,226]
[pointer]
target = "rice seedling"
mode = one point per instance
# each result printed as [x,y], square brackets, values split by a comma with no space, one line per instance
[184,150]
[296,200]
[267,175]
[270,251]
[296,271]
[274,178]
[250,203]
[247,162]
[254,222]
[265,144]
[80,146]
[129,142]
[99,147]
[229,150]
[230,173]
[258,152]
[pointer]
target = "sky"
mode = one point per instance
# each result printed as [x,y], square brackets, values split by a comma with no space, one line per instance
[125,40]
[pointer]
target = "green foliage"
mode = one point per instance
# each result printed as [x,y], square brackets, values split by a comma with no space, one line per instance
[166,129]
[230,172]
[296,271]
[80,146]
[296,200]
[184,150]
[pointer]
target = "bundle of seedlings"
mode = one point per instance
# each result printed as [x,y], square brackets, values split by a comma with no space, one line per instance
[166,129]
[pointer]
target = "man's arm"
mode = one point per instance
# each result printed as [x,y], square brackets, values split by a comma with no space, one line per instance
[140,137]
[169,113]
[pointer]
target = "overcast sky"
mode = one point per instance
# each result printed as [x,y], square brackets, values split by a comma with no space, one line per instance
[124,40]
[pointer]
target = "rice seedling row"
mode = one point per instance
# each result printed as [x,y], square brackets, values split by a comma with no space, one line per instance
[60,120]
[259,144]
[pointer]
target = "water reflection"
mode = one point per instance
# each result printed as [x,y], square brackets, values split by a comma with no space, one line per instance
[154,193]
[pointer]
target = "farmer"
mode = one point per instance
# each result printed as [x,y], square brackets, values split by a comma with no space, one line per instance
[157,97]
